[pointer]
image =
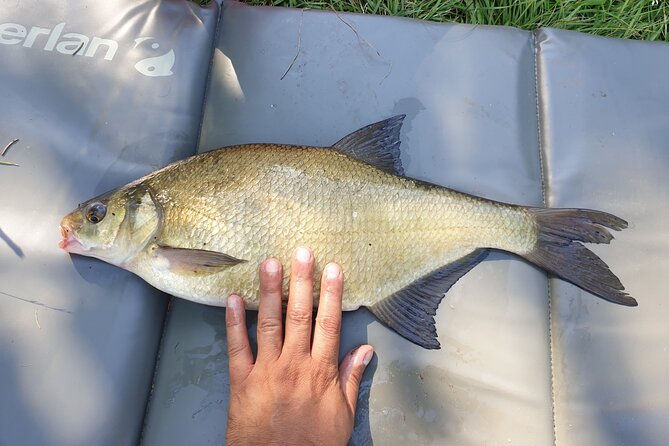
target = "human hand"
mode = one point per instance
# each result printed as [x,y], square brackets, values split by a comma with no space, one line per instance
[294,393]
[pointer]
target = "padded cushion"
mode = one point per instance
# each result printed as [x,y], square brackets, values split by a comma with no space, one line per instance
[604,135]
[78,338]
[471,124]
[550,117]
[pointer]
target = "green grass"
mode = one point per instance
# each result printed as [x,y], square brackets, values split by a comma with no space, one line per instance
[632,19]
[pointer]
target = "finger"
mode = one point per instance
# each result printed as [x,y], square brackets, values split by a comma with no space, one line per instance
[351,370]
[270,336]
[328,321]
[300,303]
[240,358]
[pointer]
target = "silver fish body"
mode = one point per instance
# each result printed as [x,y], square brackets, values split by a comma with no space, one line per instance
[198,228]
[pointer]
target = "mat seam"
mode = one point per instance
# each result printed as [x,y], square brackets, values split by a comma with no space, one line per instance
[168,315]
[168,312]
[210,70]
[542,168]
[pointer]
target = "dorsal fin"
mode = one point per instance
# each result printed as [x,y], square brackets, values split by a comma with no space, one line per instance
[410,311]
[377,144]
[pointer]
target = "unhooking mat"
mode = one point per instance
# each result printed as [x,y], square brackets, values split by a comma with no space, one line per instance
[97,94]
[541,118]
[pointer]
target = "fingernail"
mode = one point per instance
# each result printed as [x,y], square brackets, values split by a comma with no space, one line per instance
[302,254]
[234,302]
[332,271]
[271,266]
[368,356]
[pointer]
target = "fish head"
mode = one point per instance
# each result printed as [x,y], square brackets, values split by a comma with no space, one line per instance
[112,227]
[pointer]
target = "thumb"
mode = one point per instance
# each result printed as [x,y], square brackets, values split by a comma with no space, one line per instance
[351,370]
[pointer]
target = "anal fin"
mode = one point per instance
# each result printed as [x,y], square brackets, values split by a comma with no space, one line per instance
[410,311]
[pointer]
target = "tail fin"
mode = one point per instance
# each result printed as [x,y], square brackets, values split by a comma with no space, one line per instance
[558,250]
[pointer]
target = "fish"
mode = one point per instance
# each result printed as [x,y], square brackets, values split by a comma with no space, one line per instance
[198,228]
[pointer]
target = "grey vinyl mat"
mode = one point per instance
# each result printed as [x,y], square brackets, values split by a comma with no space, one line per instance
[79,338]
[547,117]
[604,139]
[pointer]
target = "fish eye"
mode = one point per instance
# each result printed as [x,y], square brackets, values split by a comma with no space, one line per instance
[96,212]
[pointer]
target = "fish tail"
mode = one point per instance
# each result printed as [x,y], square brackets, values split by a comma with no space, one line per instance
[559,251]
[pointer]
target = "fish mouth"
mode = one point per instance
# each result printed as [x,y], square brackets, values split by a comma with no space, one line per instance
[69,243]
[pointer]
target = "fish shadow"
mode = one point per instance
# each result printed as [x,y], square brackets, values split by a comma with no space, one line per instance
[98,272]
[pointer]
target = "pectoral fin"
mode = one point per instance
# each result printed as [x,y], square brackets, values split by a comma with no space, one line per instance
[194,261]
[410,311]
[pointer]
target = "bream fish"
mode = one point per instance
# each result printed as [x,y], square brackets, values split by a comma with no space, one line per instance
[198,228]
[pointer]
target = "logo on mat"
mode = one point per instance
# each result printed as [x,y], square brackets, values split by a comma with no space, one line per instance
[155,66]
[74,44]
